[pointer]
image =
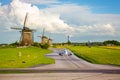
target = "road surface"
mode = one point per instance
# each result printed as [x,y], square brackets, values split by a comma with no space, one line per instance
[72,63]
[65,68]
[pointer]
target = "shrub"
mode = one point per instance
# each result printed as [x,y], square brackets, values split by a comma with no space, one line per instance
[36,44]
[45,46]
[15,44]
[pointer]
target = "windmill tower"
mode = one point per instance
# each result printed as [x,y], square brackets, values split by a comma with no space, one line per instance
[44,38]
[26,38]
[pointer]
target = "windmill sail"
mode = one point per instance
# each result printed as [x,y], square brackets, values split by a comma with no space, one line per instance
[20,38]
[25,21]
[16,28]
[43,32]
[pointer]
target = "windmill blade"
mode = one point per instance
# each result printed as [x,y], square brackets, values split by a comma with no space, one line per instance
[43,32]
[16,28]
[20,38]
[49,35]
[25,20]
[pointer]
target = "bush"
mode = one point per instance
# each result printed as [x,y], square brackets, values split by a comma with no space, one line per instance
[45,46]
[36,44]
[15,44]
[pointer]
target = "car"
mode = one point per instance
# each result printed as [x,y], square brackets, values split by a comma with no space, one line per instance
[65,52]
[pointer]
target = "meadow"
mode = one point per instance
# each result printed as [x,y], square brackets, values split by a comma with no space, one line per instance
[23,57]
[98,55]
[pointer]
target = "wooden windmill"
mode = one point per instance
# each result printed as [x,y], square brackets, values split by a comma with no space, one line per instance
[26,38]
[44,39]
[50,41]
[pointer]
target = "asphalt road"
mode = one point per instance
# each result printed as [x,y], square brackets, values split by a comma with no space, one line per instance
[65,68]
[72,63]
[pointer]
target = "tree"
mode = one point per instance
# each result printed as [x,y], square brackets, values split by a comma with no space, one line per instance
[111,42]
[36,44]
[15,44]
[45,46]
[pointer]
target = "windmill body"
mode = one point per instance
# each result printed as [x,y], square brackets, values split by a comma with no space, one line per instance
[44,40]
[26,38]
[50,42]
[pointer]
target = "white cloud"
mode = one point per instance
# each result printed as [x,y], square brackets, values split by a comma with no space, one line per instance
[41,1]
[72,13]
[15,12]
[84,20]
[97,29]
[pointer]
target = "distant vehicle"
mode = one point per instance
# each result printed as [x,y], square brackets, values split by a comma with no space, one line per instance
[65,52]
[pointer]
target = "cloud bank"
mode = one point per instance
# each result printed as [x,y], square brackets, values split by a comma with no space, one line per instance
[14,14]
[67,19]
[84,21]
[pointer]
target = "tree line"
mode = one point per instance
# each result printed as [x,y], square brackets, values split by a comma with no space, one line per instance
[36,44]
[16,44]
[104,43]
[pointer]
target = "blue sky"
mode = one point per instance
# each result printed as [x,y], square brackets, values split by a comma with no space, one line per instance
[102,6]
[83,20]
[5,1]
[97,6]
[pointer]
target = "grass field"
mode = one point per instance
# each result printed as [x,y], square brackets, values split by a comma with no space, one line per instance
[112,47]
[23,57]
[99,55]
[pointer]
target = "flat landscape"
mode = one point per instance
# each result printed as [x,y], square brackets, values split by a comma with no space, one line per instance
[65,68]
[32,56]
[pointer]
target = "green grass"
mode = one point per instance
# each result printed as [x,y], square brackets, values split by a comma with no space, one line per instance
[112,47]
[98,55]
[11,58]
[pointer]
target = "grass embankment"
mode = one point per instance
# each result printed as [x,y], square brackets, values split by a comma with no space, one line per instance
[98,55]
[23,57]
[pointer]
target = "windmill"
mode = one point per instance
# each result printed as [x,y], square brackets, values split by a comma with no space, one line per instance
[50,41]
[26,38]
[44,39]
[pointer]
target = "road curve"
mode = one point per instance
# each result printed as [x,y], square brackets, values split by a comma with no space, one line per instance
[72,62]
